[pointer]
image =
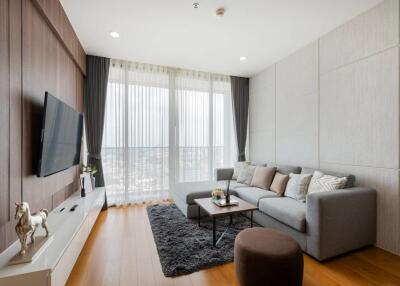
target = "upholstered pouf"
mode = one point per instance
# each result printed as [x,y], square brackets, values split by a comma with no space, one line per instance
[266,257]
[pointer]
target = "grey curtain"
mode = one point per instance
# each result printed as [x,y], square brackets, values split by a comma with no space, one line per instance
[94,108]
[240,102]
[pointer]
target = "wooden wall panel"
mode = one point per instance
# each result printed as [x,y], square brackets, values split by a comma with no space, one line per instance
[53,12]
[79,91]
[4,111]
[15,114]
[36,55]
[47,67]
[10,116]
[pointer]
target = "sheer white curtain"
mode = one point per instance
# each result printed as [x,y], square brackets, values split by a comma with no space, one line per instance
[205,125]
[163,126]
[135,142]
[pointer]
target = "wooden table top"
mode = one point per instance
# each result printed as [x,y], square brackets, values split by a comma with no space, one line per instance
[213,210]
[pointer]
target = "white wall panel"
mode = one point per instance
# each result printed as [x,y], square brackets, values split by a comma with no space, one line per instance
[297,150]
[297,108]
[262,108]
[262,146]
[262,79]
[262,116]
[369,33]
[360,111]
[337,108]
[298,74]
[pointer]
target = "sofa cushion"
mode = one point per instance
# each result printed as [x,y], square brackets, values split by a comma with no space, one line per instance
[297,186]
[351,179]
[234,185]
[246,174]
[263,177]
[279,183]
[253,194]
[237,168]
[285,169]
[285,210]
[321,182]
[188,192]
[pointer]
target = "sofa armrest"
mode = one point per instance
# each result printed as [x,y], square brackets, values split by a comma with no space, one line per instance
[340,221]
[223,174]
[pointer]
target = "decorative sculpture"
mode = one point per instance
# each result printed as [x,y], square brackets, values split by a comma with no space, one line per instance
[27,224]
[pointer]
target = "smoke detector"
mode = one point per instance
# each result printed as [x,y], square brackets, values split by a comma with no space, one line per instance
[220,12]
[196,5]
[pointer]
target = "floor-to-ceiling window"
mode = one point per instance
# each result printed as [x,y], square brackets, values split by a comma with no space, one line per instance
[163,126]
[205,123]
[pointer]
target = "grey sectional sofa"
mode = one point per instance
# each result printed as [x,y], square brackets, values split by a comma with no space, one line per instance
[326,225]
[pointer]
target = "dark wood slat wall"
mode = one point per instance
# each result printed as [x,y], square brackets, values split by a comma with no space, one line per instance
[15,124]
[4,128]
[54,13]
[10,122]
[39,51]
[4,111]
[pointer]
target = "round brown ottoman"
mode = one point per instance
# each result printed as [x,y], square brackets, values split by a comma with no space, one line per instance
[267,257]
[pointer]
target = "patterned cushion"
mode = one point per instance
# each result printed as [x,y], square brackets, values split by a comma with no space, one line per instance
[246,174]
[237,168]
[325,183]
[351,179]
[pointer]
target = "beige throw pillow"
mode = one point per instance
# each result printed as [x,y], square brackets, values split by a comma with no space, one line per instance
[279,183]
[263,177]
[237,168]
[325,183]
[246,174]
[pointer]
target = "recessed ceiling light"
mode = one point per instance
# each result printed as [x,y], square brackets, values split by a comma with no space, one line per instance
[114,35]
[243,59]
[196,5]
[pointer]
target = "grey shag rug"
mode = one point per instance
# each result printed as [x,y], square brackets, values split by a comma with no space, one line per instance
[184,247]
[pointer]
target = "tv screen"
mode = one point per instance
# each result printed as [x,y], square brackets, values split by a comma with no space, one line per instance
[60,146]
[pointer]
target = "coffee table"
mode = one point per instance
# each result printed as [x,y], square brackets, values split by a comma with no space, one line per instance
[215,211]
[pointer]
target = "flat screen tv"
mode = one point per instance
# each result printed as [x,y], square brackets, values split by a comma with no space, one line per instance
[61,136]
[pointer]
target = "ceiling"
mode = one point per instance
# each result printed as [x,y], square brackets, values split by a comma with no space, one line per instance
[173,33]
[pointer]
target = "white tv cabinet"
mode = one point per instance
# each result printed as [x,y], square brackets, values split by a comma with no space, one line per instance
[70,231]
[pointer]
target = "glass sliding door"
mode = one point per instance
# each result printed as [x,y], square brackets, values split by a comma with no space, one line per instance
[147,120]
[113,146]
[204,125]
[224,146]
[163,127]
[193,127]
[136,140]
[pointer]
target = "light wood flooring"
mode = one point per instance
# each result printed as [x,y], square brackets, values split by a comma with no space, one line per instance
[121,251]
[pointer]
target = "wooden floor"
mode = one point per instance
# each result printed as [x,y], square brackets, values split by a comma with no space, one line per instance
[121,251]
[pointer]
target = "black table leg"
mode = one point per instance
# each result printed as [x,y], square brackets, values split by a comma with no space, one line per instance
[214,238]
[198,215]
[251,218]
[230,220]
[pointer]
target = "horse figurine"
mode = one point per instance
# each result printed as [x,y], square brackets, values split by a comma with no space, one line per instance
[27,223]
